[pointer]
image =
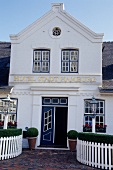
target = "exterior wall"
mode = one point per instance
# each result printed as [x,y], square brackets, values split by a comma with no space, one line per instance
[30,87]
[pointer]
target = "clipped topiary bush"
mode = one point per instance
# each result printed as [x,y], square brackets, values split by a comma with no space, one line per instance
[72,134]
[10,132]
[93,137]
[32,132]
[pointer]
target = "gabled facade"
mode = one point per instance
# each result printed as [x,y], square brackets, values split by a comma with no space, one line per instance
[55,70]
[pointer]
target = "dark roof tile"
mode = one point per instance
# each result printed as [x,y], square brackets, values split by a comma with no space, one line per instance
[5,50]
[107,65]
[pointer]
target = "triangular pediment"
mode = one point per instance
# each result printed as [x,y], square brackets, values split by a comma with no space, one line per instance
[57,11]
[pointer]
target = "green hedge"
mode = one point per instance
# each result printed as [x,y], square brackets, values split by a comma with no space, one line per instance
[93,137]
[10,132]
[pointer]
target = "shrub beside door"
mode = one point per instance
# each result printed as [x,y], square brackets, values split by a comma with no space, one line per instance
[72,139]
[32,134]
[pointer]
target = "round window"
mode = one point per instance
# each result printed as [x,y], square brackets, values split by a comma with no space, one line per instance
[56,31]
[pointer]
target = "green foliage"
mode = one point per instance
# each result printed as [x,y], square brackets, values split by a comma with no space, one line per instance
[10,132]
[72,134]
[32,132]
[93,137]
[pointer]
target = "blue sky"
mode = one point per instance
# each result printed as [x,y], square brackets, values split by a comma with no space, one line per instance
[15,15]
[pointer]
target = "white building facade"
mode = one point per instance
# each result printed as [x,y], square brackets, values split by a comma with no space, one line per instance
[55,70]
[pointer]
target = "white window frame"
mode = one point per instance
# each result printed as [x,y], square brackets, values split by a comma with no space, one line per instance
[68,59]
[41,61]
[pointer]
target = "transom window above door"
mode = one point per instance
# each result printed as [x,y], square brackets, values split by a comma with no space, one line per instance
[69,61]
[55,101]
[41,61]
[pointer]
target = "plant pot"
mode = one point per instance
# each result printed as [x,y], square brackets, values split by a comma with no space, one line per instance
[32,142]
[72,144]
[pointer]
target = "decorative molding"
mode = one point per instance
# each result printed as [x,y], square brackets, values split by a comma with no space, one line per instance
[22,93]
[49,88]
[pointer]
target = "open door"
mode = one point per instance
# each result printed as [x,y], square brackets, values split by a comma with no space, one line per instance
[54,122]
[47,126]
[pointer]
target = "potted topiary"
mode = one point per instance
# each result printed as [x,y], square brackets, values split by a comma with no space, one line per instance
[32,134]
[72,139]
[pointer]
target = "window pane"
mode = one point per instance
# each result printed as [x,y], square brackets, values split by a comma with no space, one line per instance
[65,67]
[50,112]
[97,118]
[45,66]
[55,101]
[63,101]
[45,115]
[101,118]
[47,101]
[49,126]
[65,56]
[86,118]
[45,121]
[73,56]
[73,66]
[37,55]
[101,110]
[97,110]
[86,110]
[45,128]
[45,56]
[101,104]
[49,119]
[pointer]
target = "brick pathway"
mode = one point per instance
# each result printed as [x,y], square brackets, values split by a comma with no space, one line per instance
[41,159]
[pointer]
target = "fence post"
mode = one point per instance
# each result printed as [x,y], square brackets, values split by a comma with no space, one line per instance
[109,156]
[93,154]
[105,156]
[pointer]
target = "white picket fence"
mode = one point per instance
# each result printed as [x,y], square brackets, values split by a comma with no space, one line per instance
[10,147]
[95,154]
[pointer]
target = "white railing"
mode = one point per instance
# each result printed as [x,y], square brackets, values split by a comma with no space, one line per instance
[95,154]
[10,147]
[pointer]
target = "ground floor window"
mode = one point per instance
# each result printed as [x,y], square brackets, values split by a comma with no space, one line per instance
[12,114]
[100,125]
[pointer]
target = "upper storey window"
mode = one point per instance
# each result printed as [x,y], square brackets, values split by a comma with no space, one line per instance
[69,61]
[41,61]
